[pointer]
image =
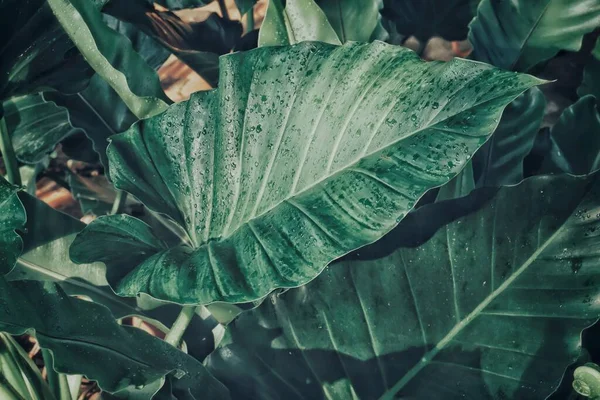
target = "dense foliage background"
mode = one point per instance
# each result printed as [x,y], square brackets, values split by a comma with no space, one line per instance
[313,199]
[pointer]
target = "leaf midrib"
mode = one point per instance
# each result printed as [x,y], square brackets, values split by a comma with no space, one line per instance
[457,329]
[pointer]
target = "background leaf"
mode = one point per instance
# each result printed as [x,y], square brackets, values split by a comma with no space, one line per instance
[36,53]
[519,34]
[12,218]
[427,18]
[112,56]
[578,125]
[298,21]
[344,155]
[491,307]
[35,126]
[591,74]
[354,20]
[77,331]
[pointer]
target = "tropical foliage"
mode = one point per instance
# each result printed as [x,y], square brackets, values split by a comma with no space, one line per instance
[342,214]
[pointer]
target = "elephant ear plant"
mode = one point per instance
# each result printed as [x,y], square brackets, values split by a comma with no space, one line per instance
[335,218]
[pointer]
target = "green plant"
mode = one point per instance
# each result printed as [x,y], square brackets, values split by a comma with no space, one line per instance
[338,218]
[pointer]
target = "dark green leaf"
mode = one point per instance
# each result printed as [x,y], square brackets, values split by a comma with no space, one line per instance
[12,218]
[98,111]
[500,161]
[427,18]
[84,339]
[35,126]
[198,44]
[298,21]
[112,56]
[318,150]
[519,34]
[181,4]
[353,19]
[492,307]
[576,139]
[244,5]
[591,74]
[36,54]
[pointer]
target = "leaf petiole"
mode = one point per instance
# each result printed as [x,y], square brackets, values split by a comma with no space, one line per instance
[180,325]
[8,155]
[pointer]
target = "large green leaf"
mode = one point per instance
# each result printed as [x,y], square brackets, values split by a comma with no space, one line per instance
[12,218]
[298,21]
[500,161]
[35,126]
[36,54]
[85,339]
[576,139]
[519,34]
[303,154]
[427,18]
[112,56]
[591,74]
[48,235]
[353,19]
[492,307]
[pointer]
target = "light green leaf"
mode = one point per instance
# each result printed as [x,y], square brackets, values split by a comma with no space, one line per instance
[299,21]
[19,374]
[84,338]
[492,307]
[12,218]
[352,19]
[36,54]
[302,154]
[591,74]
[35,126]
[576,139]
[519,34]
[112,56]
[427,18]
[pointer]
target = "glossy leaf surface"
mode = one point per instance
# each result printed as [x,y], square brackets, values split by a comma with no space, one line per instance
[35,126]
[310,159]
[519,34]
[491,307]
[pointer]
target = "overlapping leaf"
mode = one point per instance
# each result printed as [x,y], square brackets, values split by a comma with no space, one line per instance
[591,74]
[355,20]
[427,18]
[520,34]
[12,218]
[491,307]
[576,139]
[35,126]
[84,338]
[303,154]
[36,54]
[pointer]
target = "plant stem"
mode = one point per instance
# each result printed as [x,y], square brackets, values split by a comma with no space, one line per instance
[180,325]
[8,155]
[250,20]
[119,202]
[57,382]
[223,8]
